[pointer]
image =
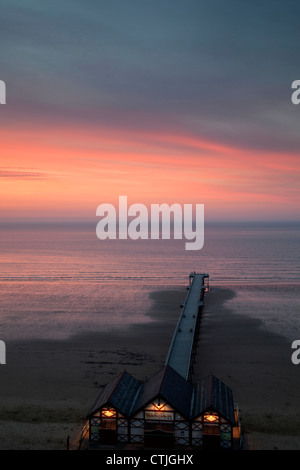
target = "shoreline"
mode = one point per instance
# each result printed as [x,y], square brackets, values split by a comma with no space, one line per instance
[49,386]
[256,364]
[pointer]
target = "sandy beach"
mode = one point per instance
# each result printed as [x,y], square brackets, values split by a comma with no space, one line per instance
[257,365]
[47,387]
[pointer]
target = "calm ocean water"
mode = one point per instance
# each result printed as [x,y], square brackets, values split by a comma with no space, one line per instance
[59,281]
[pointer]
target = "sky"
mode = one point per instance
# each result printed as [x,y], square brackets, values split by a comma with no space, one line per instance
[164,101]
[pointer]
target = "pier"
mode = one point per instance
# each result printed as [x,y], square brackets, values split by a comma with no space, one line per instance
[167,410]
[182,348]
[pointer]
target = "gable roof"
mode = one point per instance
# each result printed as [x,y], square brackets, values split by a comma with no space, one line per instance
[119,393]
[171,386]
[212,393]
[128,395]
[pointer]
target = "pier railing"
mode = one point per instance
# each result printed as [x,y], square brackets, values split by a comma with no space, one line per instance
[183,342]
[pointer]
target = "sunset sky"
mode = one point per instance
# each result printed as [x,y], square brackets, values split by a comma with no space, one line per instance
[162,101]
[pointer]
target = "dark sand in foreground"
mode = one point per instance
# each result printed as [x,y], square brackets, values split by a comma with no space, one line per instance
[47,387]
[257,365]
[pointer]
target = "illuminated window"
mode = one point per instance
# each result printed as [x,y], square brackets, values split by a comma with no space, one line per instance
[211,417]
[108,418]
[108,413]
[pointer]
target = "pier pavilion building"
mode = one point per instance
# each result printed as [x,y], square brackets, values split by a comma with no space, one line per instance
[168,410]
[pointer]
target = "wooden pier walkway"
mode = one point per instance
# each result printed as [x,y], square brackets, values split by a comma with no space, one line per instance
[182,347]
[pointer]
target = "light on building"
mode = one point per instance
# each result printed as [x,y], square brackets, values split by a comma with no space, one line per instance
[211,418]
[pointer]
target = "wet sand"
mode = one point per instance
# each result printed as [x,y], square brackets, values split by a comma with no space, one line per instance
[47,387]
[257,365]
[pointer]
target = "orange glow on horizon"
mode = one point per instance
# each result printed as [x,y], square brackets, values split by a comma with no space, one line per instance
[65,171]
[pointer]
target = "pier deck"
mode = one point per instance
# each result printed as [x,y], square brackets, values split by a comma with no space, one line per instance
[181,349]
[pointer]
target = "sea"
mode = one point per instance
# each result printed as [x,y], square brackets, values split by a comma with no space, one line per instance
[58,279]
